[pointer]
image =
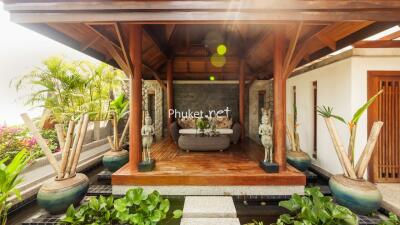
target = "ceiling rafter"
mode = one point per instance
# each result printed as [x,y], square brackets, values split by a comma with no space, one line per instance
[326,40]
[292,47]
[124,47]
[89,43]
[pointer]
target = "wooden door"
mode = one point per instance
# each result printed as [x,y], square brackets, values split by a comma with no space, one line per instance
[385,163]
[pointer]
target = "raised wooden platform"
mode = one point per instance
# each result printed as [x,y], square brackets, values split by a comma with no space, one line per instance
[236,166]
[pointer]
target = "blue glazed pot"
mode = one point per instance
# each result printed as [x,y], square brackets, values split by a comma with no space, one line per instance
[299,160]
[56,196]
[113,160]
[360,196]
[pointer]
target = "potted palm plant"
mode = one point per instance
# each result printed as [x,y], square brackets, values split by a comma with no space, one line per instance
[296,157]
[68,186]
[350,188]
[117,157]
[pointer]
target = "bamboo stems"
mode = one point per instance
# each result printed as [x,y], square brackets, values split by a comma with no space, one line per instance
[350,150]
[115,123]
[73,150]
[111,142]
[60,134]
[70,156]
[66,149]
[82,133]
[369,148]
[344,160]
[42,143]
[126,128]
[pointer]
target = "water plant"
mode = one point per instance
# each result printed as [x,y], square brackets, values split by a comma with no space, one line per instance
[315,209]
[9,179]
[135,208]
[392,220]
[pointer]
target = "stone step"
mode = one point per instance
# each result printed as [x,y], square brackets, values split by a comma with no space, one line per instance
[210,221]
[209,207]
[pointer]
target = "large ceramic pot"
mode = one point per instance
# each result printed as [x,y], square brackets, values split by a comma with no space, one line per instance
[113,160]
[57,195]
[299,160]
[360,196]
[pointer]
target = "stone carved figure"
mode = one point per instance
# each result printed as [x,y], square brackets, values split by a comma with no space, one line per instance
[265,130]
[147,137]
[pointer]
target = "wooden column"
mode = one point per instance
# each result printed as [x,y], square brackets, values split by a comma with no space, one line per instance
[135,51]
[242,98]
[170,92]
[279,101]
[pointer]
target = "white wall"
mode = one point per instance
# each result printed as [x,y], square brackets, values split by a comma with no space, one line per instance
[360,66]
[333,82]
[343,86]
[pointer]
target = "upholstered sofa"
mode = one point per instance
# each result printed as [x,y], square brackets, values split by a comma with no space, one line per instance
[221,122]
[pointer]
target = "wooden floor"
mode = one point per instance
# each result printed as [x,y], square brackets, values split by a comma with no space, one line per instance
[238,165]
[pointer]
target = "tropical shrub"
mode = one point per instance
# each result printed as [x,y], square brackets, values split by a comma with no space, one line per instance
[70,88]
[392,220]
[136,208]
[9,180]
[315,209]
[13,139]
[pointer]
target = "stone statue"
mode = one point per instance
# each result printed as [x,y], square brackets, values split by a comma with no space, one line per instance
[265,130]
[147,137]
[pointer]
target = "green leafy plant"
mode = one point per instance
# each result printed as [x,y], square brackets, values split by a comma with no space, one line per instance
[9,180]
[96,211]
[392,220]
[136,208]
[120,106]
[70,88]
[202,124]
[315,209]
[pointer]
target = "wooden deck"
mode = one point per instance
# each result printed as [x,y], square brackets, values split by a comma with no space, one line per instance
[236,166]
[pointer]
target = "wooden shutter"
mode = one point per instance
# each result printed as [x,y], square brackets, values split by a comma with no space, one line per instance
[385,164]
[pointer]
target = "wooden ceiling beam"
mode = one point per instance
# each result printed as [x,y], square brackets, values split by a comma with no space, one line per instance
[205,17]
[326,40]
[391,36]
[292,47]
[158,40]
[124,47]
[256,44]
[102,35]
[89,43]
[378,44]
[156,76]
[260,5]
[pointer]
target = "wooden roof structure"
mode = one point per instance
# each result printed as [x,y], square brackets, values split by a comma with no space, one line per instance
[177,40]
[188,31]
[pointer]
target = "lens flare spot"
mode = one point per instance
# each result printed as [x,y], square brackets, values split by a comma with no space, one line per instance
[218,60]
[212,77]
[221,49]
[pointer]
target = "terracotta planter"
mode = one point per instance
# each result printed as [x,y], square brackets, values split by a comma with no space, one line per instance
[299,160]
[113,160]
[57,196]
[360,196]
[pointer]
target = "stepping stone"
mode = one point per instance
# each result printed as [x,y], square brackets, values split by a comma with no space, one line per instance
[209,207]
[210,221]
